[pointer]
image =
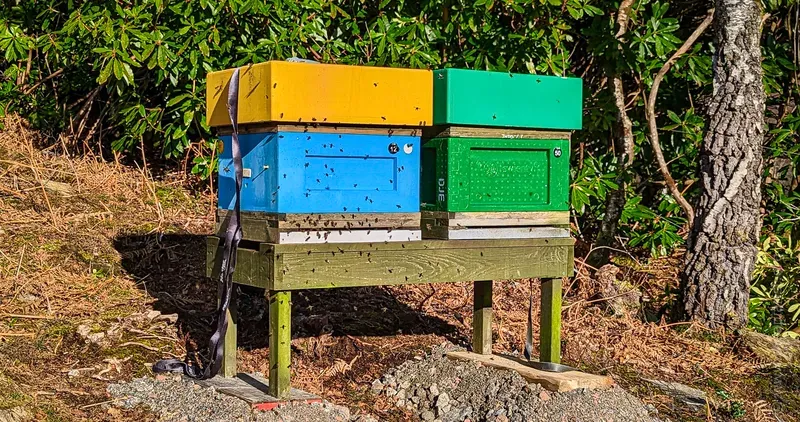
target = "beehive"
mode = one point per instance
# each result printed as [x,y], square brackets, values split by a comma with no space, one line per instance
[323,172]
[498,99]
[310,93]
[495,175]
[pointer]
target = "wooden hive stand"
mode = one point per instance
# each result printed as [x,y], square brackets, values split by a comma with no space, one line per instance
[281,269]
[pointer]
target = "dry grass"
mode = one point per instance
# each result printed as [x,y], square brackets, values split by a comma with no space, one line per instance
[90,249]
[60,218]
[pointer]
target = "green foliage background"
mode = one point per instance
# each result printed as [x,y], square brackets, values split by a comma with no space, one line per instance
[129,75]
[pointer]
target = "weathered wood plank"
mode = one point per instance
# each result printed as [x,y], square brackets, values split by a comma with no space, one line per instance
[290,267]
[482,317]
[550,321]
[553,381]
[329,265]
[253,267]
[323,128]
[427,244]
[229,346]
[465,233]
[263,227]
[280,340]
[350,221]
[495,219]
[254,390]
[347,236]
[488,132]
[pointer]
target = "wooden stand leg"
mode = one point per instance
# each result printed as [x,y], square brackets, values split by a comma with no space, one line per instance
[228,368]
[280,342]
[482,318]
[550,322]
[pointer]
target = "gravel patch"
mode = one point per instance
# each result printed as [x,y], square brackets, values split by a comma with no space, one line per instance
[436,388]
[175,398]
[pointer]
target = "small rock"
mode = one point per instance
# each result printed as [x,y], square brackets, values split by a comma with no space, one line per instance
[389,391]
[14,414]
[27,297]
[434,390]
[170,318]
[683,393]
[405,384]
[377,386]
[443,400]
[415,399]
[401,395]
[501,418]
[544,395]
[428,416]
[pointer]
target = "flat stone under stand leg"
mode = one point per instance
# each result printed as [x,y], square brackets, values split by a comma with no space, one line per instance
[228,368]
[482,318]
[550,321]
[280,342]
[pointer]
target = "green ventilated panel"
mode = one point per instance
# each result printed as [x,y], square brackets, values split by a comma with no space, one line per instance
[495,175]
[481,98]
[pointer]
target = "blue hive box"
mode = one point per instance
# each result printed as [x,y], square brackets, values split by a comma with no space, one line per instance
[304,172]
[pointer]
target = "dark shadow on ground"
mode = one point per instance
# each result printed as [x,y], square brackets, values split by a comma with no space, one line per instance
[171,269]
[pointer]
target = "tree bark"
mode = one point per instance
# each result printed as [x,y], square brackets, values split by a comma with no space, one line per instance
[721,251]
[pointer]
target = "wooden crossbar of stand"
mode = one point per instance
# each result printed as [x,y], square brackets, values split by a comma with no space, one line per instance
[282,268]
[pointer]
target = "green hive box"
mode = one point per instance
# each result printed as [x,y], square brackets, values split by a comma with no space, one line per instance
[495,175]
[480,98]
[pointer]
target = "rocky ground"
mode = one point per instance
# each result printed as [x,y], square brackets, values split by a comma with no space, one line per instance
[175,398]
[439,389]
[432,387]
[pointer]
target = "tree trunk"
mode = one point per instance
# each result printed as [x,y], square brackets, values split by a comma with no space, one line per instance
[722,248]
[623,144]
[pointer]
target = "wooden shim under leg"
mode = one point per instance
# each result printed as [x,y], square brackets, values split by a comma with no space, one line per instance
[550,321]
[280,341]
[482,318]
[229,347]
[553,381]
